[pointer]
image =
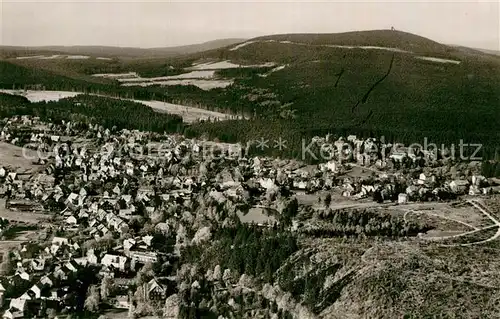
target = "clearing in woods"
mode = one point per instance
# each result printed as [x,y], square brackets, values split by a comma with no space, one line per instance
[18,159]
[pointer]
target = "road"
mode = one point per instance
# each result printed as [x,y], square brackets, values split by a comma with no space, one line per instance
[495,221]
[478,206]
[440,216]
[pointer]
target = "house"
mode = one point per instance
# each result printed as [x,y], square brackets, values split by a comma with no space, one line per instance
[402,198]
[474,190]
[143,256]
[61,273]
[118,262]
[459,186]
[155,290]
[46,281]
[122,302]
[147,239]
[17,307]
[128,243]
[24,275]
[398,157]
[60,241]
[71,220]
[331,166]
[13,314]
[36,291]
[363,159]
[72,265]
[81,261]
[38,264]
[126,213]
[477,180]
[302,185]
[71,198]
[127,199]
[422,179]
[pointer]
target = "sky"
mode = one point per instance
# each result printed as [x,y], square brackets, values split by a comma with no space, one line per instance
[170,23]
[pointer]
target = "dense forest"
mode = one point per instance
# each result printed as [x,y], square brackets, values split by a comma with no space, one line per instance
[96,110]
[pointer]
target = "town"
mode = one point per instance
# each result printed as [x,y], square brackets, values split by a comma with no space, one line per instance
[97,219]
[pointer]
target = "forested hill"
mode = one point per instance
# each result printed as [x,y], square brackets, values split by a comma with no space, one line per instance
[375,83]
[382,38]
[370,83]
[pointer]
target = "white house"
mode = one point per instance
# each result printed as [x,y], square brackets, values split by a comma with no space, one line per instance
[59,241]
[37,291]
[267,183]
[46,281]
[330,166]
[122,302]
[402,198]
[422,179]
[118,262]
[459,186]
[13,314]
[17,305]
[71,220]
[478,179]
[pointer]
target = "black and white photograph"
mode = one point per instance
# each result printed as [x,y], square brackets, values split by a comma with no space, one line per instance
[251,159]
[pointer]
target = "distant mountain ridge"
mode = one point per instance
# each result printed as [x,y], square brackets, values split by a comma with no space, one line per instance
[384,38]
[123,52]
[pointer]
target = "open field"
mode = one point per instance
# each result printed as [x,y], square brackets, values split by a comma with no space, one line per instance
[189,114]
[18,158]
[25,217]
[446,215]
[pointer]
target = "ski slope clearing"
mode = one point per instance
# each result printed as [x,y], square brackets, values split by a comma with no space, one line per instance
[190,75]
[203,79]
[432,59]
[363,47]
[55,56]
[202,84]
[276,69]
[58,56]
[189,114]
[38,96]
[226,65]
[30,57]
[78,57]
[117,75]
[241,45]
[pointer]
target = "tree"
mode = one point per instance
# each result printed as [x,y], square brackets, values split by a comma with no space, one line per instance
[328,200]
[6,267]
[51,313]
[145,274]
[377,196]
[290,211]
[106,286]
[93,299]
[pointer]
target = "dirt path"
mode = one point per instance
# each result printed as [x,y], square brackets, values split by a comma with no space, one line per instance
[497,223]
[460,235]
[487,214]
[475,204]
[440,216]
